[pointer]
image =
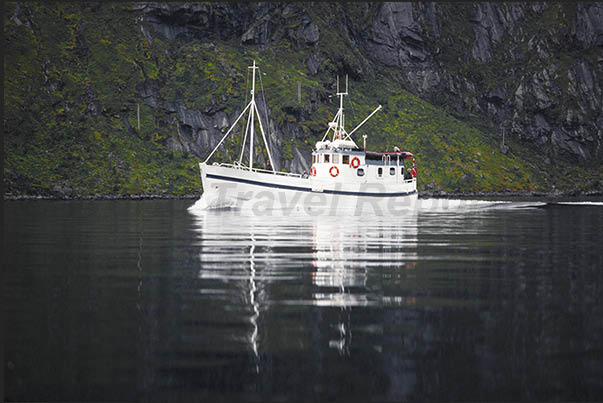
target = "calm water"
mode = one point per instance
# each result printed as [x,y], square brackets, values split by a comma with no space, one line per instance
[148,301]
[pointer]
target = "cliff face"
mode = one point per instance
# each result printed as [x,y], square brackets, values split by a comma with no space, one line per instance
[258,26]
[532,70]
[529,71]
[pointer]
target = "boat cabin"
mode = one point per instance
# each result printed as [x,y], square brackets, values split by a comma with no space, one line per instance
[347,163]
[340,158]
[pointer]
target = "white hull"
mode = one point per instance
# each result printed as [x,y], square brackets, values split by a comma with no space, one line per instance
[261,192]
[342,177]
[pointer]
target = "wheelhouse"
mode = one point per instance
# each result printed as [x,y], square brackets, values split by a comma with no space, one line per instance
[342,157]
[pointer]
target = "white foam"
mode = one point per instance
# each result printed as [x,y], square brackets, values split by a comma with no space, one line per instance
[443,204]
[584,203]
[198,205]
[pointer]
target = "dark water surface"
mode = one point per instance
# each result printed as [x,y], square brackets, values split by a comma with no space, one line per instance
[147,301]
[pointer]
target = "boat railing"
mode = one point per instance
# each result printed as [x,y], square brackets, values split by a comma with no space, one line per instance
[267,171]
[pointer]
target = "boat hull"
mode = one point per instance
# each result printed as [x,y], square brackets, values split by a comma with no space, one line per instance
[262,192]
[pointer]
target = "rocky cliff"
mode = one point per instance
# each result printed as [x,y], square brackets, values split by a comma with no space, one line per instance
[453,79]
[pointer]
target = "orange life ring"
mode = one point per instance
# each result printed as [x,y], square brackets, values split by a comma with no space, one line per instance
[336,171]
[313,171]
[355,162]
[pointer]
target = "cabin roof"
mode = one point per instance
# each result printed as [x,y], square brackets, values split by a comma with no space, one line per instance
[405,154]
[369,154]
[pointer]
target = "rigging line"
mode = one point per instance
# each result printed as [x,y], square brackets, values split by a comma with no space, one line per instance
[352,105]
[265,107]
[264,98]
[247,87]
[246,95]
[283,87]
[250,122]
[244,141]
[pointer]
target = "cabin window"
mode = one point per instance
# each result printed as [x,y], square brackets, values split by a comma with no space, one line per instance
[392,171]
[326,157]
[380,172]
[360,172]
[402,170]
[335,158]
[313,158]
[345,159]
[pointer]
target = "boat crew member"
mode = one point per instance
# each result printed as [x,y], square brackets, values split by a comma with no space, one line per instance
[408,174]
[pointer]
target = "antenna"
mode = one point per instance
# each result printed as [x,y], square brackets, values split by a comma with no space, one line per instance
[339,132]
[337,125]
[346,86]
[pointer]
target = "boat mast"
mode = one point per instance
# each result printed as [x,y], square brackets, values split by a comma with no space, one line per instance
[338,122]
[340,131]
[251,116]
[250,127]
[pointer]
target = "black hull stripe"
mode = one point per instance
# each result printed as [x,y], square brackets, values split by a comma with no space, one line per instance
[303,189]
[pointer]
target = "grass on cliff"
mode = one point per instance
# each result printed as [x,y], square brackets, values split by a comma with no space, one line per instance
[71,57]
[71,119]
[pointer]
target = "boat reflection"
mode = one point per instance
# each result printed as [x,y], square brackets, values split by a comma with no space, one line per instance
[343,252]
[262,254]
[141,301]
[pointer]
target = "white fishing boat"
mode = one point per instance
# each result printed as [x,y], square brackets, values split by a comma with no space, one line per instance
[342,175]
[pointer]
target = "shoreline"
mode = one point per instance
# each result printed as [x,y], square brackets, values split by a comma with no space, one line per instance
[511,195]
[101,197]
[422,195]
